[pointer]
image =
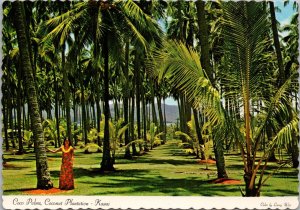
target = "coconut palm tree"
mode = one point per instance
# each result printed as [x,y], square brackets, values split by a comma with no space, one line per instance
[43,174]
[114,19]
[244,36]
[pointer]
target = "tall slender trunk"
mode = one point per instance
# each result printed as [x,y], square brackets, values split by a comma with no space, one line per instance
[83,110]
[56,110]
[10,119]
[198,132]
[154,117]
[144,119]
[165,120]
[21,150]
[134,152]
[182,115]
[5,122]
[66,95]
[75,119]
[94,115]
[98,111]
[137,95]
[125,100]
[205,61]
[203,38]
[42,172]
[161,119]
[107,161]
[88,116]
[281,77]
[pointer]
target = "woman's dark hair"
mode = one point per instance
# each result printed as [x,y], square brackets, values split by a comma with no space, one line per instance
[65,139]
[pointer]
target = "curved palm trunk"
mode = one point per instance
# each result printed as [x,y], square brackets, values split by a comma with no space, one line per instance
[42,172]
[107,161]
[203,37]
[205,61]
[281,77]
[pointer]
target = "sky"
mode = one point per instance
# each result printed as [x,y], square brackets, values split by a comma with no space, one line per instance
[283,17]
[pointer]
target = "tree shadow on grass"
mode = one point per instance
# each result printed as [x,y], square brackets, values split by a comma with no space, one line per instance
[13,167]
[95,172]
[17,191]
[159,184]
[8,160]
[166,161]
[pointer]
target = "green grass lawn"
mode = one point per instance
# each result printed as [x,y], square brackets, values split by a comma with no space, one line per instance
[165,170]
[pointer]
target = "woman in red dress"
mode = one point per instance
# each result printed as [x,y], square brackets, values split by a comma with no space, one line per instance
[66,178]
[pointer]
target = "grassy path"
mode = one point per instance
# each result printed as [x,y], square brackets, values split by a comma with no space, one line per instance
[165,170]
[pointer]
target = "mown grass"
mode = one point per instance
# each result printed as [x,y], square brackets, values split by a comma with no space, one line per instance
[166,170]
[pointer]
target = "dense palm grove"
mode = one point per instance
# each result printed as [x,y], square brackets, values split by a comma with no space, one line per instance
[232,73]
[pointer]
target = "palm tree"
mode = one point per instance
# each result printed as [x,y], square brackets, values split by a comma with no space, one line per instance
[246,46]
[43,174]
[113,16]
[291,54]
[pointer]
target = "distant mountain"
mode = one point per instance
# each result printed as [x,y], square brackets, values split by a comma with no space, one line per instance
[172,112]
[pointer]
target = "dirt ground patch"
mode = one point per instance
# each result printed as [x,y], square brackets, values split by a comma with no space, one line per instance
[9,165]
[209,161]
[44,192]
[226,181]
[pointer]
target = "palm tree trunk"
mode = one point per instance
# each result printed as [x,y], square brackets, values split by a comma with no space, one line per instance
[205,61]
[58,142]
[21,150]
[138,96]
[144,119]
[161,119]
[83,110]
[66,95]
[88,117]
[42,172]
[281,77]
[98,111]
[198,132]
[125,101]
[165,120]
[134,152]
[10,119]
[154,118]
[74,118]
[5,122]
[248,176]
[107,161]
[203,37]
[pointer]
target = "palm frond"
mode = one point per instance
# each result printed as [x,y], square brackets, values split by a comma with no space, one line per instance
[284,136]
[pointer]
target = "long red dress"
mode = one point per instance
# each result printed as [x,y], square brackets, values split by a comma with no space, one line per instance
[66,178]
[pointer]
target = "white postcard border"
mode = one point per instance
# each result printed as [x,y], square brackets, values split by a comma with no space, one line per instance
[148,202]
